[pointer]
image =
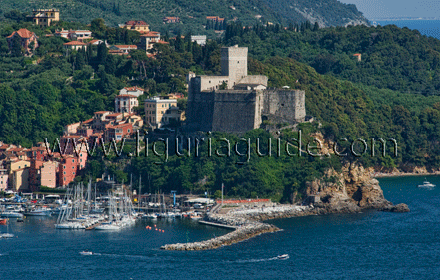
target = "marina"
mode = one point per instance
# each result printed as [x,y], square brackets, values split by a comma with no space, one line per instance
[352,241]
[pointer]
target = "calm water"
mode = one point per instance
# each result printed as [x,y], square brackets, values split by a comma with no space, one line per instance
[425,27]
[370,245]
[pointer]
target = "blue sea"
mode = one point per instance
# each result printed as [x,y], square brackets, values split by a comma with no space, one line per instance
[369,245]
[425,27]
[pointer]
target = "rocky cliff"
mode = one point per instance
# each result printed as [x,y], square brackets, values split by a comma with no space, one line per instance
[350,190]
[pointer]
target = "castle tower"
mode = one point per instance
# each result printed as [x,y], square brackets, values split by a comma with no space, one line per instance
[234,63]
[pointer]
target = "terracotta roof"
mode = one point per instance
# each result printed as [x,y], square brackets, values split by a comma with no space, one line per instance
[121,125]
[102,112]
[133,88]
[150,34]
[87,121]
[357,54]
[23,33]
[74,43]
[114,115]
[95,41]
[162,42]
[136,22]
[126,46]
[126,96]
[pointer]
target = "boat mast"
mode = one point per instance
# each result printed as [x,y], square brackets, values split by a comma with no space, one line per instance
[139,194]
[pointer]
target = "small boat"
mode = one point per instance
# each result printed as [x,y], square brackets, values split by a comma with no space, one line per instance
[86,253]
[6,235]
[426,185]
[11,214]
[3,221]
[283,257]
[20,220]
[39,212]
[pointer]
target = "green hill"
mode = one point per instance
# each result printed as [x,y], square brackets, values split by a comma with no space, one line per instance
[193,13]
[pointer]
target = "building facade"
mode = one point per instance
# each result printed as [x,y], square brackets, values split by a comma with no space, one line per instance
[126,103]
[137,25]
[45,17]
[160,112]
[27,39]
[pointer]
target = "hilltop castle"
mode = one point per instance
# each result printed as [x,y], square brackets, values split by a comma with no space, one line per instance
[236,102]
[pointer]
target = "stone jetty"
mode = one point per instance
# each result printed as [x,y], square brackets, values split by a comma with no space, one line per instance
[247,224]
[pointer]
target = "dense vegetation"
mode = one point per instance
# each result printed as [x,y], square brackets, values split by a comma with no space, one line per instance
[193,13]
[39,95]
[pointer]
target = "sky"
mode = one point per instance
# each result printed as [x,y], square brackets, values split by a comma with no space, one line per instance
[373,9]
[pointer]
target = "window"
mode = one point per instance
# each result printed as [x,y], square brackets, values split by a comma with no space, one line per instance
[64,172]
[64,167]
[73,167]
[128,130]
[73,160]
[73,173]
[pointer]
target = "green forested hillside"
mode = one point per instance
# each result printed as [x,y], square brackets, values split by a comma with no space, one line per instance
[193,13]
[39,95]
[392,58]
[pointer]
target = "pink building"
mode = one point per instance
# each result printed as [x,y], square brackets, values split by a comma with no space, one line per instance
[126,103]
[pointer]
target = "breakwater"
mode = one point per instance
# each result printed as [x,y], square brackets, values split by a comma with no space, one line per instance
[247,223]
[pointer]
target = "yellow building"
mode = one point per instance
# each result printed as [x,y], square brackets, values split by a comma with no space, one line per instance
[160,112]
[19,175]
[44,17]
[137,25]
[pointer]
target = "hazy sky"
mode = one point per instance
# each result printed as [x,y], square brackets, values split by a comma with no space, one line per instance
[397,8]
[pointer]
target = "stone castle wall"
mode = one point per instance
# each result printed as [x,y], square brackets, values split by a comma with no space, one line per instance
[238,111]
[284,106]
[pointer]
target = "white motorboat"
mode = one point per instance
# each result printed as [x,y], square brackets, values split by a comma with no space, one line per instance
[108,226]
[86,253]
[11,214]
[39,212]
[6,235]
[283,257]
[426,185]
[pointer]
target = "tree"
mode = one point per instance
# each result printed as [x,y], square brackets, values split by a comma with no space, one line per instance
[16,48]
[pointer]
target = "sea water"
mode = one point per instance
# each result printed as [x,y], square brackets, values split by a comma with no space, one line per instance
[425,27]
[368,245]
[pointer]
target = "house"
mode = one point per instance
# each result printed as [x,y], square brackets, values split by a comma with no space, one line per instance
[28,40]
[71,128]
[43,173]
[19,175]
[137,25]
[67,170]
[45,17]
[118,132]
[123,48]
[148,39]
[136,91]
[171,20]
[199,39]
[215,18]
[358,56]
[126,103]
[80,35]
[95,42]
[4,178]
[74,45]
[160,112]
[176,95]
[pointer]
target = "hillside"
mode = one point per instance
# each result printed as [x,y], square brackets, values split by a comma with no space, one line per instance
[193,13]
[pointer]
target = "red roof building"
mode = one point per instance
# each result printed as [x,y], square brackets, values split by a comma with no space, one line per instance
[28,40]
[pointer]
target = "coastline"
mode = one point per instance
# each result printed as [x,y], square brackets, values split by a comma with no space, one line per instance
[403,174]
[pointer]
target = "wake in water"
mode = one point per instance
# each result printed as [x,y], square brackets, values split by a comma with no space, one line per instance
[115,255]
[283,257]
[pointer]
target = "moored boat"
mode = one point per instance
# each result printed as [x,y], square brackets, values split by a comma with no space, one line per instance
[3,221]
[426,185]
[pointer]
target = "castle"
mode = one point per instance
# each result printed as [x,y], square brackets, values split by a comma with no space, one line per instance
[236,102]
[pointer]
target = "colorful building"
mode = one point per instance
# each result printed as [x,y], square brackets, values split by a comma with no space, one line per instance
[160,112]
[28,40]
[126,103]
[45,17]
